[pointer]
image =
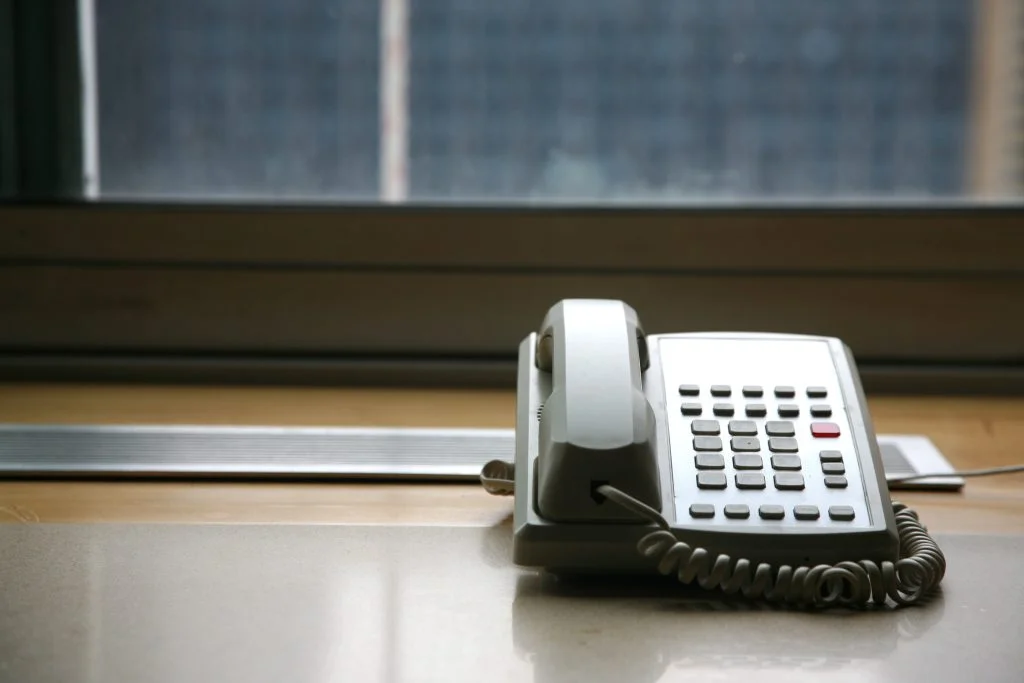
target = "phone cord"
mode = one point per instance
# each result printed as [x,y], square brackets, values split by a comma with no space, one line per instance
[855,584]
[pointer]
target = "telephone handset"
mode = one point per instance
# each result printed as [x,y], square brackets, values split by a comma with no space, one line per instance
[740,461]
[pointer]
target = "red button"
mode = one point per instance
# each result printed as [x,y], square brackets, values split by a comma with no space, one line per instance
[825,430]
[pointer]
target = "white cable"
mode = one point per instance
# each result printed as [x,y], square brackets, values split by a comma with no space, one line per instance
[854,584]
[499,478]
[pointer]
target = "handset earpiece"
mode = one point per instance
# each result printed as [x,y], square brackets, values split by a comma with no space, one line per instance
[597,426]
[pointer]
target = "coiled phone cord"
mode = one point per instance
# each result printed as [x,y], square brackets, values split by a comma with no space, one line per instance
[854,584]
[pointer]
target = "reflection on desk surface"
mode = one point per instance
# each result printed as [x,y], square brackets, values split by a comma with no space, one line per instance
[329,603]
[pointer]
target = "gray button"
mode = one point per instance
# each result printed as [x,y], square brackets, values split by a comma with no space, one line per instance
[721,390]
[711,480]
[709,461]
[789,410]
[747,461]
[785,392]
[691,409]
[821,410]
[702,511]
[750,480]
[709,427]
[772,512]
[833,468]
[756,410]
[780,444]
[841,513]
[803,512]
[745,443]
[736,511]
[789,481]
[779,428]
[707,443]
[723,409]
[830,456]
[786,462]
[751,391]
[834,482]
[689,390]
[742,428]
[817,392]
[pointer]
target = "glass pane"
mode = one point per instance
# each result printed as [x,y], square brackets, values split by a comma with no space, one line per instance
[578,100]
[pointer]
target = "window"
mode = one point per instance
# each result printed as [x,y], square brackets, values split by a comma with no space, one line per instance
[398,190]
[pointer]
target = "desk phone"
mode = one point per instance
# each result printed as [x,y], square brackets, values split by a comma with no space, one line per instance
[744,462]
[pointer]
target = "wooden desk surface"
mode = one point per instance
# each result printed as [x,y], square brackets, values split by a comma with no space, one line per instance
[971,432]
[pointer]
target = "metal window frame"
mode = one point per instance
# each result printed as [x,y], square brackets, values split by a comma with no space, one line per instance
[928,295]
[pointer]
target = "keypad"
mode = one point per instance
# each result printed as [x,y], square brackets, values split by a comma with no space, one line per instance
[745,444]
[709,461]
[750,480]
[741,445]
[742,428]
[747,461]
[707,443]
[702,511]
[777,428]
[756,410]
[707,427]
[711,480]
[786,462]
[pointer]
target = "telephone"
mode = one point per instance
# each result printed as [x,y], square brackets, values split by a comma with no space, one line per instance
[744,462]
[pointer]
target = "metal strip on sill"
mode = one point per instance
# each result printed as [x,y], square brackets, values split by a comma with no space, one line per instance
[291,453]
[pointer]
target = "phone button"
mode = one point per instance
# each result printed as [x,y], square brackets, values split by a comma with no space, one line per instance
[689,390]
[821,410]
[707,443]
[705,427]
[753,392]
[723,409]
[825,430]
[841,513]
[735,511]
[786,462]
[817,392]
[745,443]
[702,511]
[742,428]
[721,390]
[789,481]
[777,428]
[830,456]
[747,461]
[782,445]
[785,392]
[806,512]
[756,410]
[772,512]
[750,480]
[789,410]
[692,409]
[709,461]
[833,468]
[711,480]
[835,482]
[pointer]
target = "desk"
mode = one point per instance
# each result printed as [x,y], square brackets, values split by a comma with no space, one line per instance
[971,432]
